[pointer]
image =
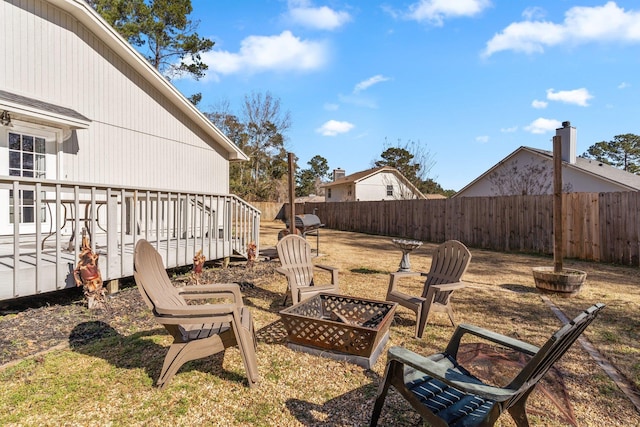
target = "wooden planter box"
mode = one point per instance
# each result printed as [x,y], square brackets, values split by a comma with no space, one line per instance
[341,327]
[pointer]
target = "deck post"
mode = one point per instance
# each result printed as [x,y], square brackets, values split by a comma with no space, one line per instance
[112,286]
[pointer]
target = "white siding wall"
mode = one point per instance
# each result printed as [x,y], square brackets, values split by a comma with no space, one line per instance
[340,193]
[375,188]
[137,137]
[584,183]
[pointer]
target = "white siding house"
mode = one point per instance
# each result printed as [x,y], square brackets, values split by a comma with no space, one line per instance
[91,135]
[383,183]
[530,171]
[138,129]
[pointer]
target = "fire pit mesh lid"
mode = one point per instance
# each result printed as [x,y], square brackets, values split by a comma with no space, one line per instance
[357,312]
[310,323]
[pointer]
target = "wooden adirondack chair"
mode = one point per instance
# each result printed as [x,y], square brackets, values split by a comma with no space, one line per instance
[445,394]
[198,330]
[294,253]
[448,264]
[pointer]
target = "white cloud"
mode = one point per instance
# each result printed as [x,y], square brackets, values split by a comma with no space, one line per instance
[331,106]
[482,139]
[542,125]
[539,104]
[436,11]
[581,25]
[533,12]
[577,96]
[322,18]
[266,53]
[358,100]
[509,130]
[334,127]
[365,84]
[623,85]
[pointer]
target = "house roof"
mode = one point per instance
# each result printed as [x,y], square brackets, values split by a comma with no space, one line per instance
[602,170]
[310,199]
[42,110]
[92,20]
[359,176]
[590,167]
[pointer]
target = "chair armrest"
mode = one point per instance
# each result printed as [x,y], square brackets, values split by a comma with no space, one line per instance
[188,314]
[286,272]
[326,267]
[515,344]
[214,290]
[445,287]
[449,376]
[332,270]
[397,275]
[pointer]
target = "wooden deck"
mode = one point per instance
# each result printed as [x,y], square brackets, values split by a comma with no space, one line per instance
[52,270]
[177,224]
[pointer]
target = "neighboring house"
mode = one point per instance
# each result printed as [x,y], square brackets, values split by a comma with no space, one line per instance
[311,198]
[382,183]
[91,135]
[529,171]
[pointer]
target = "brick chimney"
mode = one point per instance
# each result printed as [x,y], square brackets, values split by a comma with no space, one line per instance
[338,173]
[569,137]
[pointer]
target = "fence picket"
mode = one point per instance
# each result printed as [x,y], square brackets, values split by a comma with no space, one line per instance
[598,226]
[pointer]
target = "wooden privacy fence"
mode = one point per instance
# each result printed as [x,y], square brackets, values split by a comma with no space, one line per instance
[597,226]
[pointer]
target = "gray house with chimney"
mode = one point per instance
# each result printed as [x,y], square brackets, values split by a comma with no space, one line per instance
[529,171]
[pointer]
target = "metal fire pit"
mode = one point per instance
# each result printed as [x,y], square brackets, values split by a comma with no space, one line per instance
[340,327]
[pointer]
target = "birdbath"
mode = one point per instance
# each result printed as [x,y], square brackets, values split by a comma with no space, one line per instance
[406,246]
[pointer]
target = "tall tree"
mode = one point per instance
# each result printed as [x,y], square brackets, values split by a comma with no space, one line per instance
[401,159]
[266,124]
[260,133]
[622,152]
[234,129]
[308,180]
[162,32]
[414,161]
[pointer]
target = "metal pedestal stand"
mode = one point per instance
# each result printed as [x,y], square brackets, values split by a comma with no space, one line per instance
[407,246]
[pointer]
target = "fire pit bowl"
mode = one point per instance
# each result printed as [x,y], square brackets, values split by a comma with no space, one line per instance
[339,327]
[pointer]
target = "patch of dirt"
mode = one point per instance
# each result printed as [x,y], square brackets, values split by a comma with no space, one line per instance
[30,326]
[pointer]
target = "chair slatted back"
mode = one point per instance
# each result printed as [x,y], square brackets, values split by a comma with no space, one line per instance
[152,278]
[448,263]
[295,255]
[552,350]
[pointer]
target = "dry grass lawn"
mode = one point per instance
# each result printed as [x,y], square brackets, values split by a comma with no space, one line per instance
[110,383]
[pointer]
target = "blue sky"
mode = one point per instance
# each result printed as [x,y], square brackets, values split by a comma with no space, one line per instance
[472,80]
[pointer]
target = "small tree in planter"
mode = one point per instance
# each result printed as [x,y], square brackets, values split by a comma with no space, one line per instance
[564,281]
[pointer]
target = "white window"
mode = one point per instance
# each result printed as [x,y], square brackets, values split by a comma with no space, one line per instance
[389,190]
[328,193]
[27,158]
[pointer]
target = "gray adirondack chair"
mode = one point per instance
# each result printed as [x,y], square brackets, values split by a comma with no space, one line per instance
[444,393]
[294,253]
[449,262]
[198,330]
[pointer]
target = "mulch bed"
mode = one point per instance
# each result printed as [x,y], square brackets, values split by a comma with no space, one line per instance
[30,326]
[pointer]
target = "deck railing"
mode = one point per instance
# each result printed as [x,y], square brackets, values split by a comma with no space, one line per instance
[43,221]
